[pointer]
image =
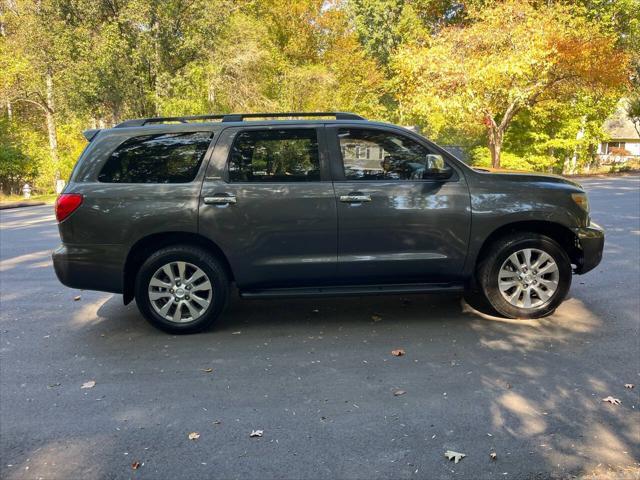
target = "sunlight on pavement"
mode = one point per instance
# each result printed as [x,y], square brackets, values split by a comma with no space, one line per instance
[39,257]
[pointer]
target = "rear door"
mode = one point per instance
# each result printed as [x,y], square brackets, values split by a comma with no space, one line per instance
[397,220]
[268,202]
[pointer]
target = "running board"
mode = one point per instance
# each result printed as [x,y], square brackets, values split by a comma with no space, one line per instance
[345,290]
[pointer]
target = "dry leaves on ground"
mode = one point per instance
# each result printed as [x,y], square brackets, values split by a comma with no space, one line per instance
[135,465]
[397,393]
[194,436]
[611,400]
[206,370]
[629,385]
[455,456]
[493,455]
[397,353]
[77,298]
[256,433]
[89,384]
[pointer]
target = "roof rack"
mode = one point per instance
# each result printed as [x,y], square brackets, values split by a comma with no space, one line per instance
[237,117]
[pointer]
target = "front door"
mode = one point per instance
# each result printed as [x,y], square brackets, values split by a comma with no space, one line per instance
[399,220]
[267,201]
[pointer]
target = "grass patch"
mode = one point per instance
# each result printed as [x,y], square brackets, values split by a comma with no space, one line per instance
[49,198]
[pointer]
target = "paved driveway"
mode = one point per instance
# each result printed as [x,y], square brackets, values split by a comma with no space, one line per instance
[318,377]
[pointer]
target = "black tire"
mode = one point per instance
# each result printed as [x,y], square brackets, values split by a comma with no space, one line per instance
[198,257]
[489,268]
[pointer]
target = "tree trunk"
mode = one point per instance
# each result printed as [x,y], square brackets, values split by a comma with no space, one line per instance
[571,166]
[496,131]
[495,144]
[51,125]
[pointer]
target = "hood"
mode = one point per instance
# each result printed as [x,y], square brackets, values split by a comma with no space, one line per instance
[523,176]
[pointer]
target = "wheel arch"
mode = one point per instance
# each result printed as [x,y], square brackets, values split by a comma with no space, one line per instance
[565,237]
[144,247]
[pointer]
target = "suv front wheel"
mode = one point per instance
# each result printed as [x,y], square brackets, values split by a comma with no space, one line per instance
[181,289]
[525,275]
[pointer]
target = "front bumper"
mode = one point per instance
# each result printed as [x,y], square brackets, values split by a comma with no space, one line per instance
[89,267]
[591,242]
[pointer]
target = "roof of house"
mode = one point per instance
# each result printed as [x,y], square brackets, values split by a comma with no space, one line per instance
[619,127]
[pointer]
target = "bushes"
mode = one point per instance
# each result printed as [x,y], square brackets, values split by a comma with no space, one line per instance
[480,157]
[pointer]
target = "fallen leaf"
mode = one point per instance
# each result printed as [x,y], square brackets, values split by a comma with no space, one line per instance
[194,436]
[54,385]
[89,384]
[455,456]
[135,465]
[256,433]
[629,385]
[236,333]
[611,400]
[493,455]
[376,318]
[206,370]
[397,353]
[217,422]
[397,393]
[77,298]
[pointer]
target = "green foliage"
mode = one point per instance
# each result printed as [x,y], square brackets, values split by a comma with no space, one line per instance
[481,157]
[16,167]
[445,65]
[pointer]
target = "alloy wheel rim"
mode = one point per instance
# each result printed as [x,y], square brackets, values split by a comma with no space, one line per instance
[180,292]
[528,278]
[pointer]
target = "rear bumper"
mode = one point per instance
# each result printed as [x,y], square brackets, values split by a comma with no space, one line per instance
[591,241]
[89,267]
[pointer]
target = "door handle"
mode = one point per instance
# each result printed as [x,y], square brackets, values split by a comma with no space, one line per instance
[355,198]
[220,200]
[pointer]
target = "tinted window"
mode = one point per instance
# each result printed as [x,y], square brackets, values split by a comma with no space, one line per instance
[166,158]
[275,156]
[378,155]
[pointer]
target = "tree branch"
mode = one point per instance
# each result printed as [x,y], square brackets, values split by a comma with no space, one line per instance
[28,100]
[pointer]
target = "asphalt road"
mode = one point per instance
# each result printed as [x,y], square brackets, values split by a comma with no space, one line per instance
[318,377]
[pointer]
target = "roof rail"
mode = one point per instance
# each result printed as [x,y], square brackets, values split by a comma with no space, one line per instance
[237,117]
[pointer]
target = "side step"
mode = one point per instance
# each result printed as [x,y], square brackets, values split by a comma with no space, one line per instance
[345,290]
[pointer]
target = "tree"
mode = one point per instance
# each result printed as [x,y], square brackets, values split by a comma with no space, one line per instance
[507,57]
[31,57]
[633,112]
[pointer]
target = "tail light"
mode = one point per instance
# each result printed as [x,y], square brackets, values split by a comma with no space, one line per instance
[66,204]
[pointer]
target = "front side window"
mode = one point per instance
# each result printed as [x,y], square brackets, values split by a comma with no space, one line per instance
[164,158]
[388,156]
[289,155]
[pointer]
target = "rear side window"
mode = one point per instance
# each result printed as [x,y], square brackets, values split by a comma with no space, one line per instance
[289,155]
[165,158]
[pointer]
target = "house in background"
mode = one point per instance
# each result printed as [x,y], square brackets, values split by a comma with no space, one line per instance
[623,143]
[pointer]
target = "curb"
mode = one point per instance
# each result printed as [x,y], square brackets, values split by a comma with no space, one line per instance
[7,206]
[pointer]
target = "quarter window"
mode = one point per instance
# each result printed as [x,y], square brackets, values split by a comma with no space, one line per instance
[378,155]
[165,158]
[289,155]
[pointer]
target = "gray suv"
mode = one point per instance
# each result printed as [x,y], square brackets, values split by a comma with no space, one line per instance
[173,211]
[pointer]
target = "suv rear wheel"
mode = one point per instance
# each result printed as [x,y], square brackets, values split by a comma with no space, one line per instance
[181,289]
[525,275]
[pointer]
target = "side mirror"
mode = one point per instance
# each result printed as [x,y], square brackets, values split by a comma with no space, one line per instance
[438,173]
[436,168]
